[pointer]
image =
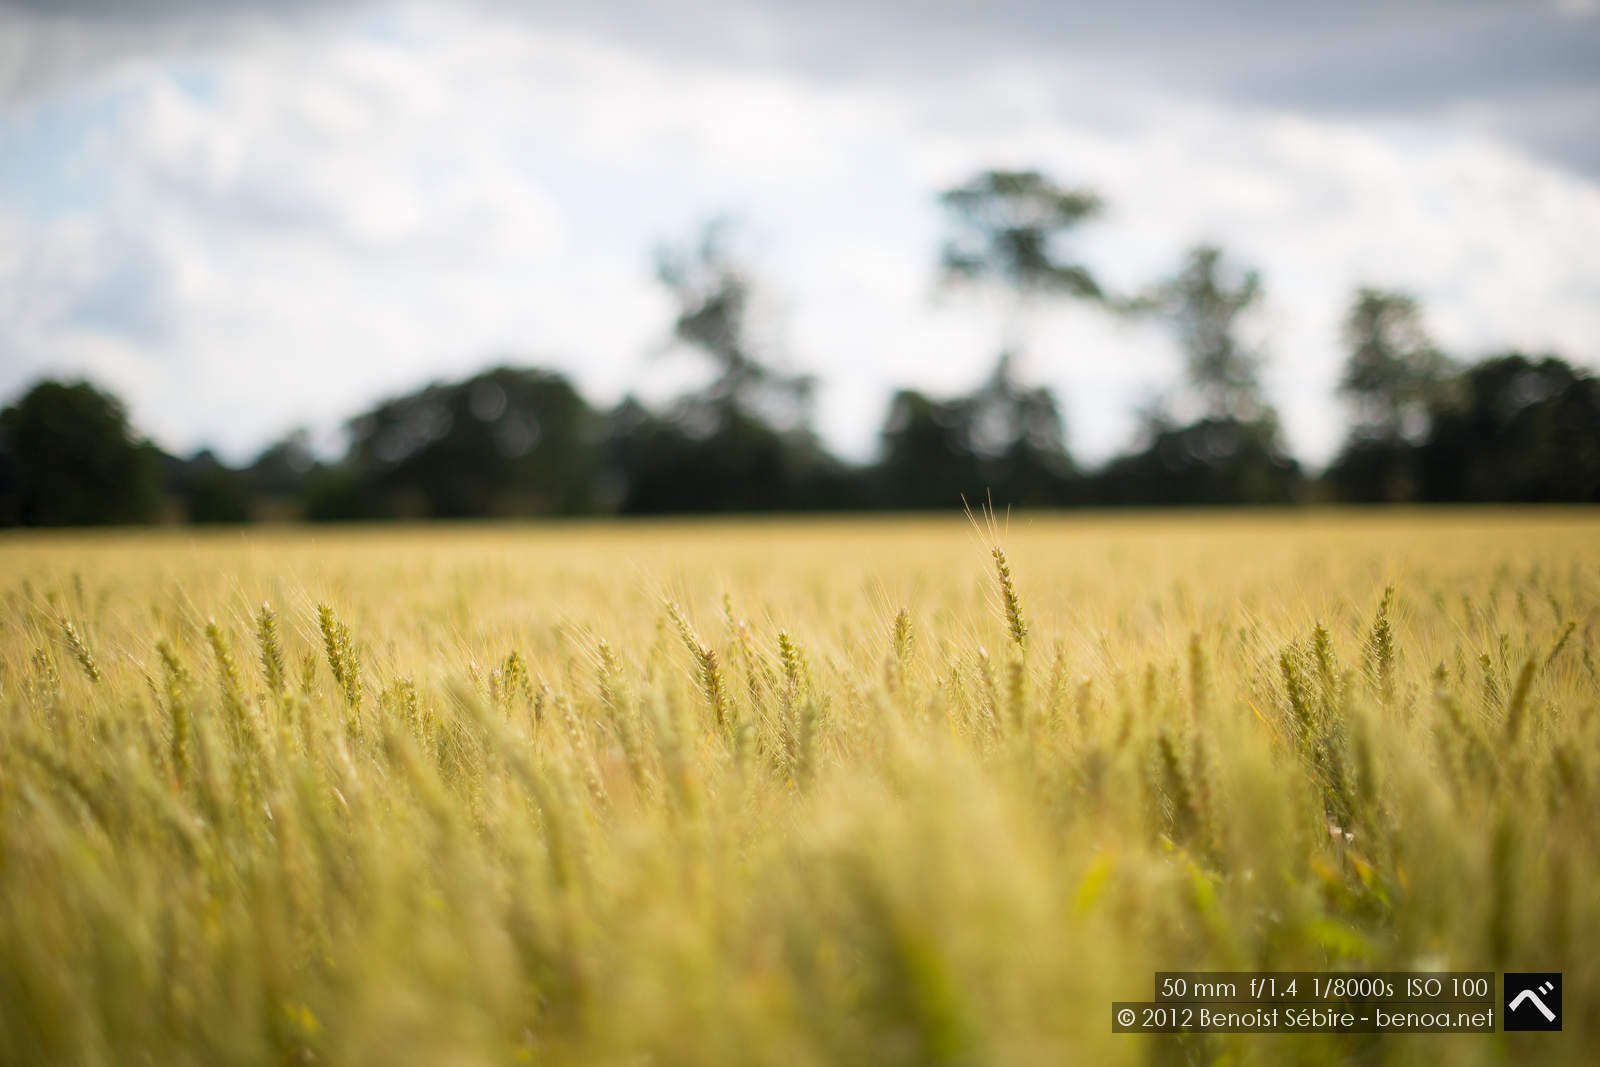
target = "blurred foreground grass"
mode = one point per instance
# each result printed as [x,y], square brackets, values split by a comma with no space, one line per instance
[786,792]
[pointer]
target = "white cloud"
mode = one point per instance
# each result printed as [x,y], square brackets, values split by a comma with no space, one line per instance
[285,230]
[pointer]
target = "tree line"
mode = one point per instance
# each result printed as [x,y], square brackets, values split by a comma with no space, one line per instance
[510,441]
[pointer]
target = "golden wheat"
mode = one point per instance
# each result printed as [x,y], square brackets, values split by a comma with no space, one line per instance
[916,800]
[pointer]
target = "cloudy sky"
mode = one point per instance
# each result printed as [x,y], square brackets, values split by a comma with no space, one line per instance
[243,216]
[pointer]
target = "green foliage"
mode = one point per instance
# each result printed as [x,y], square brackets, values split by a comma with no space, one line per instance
[1508,428]
[1004,439]
[68,457]
[1008,226]
[508,441]
[1233,452]
[715,293]
[1211,461]
[663,463]
[1207,302]
[1393,371]
[512,442]
[210,491]
[1515,428]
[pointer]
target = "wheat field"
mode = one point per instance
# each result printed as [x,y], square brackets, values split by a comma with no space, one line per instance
[788,792]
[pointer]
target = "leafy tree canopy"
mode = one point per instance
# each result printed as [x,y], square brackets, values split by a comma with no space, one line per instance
[1393,371]
[508,441]
[716,316]
[72,459]
[1207,303]
[1009,226]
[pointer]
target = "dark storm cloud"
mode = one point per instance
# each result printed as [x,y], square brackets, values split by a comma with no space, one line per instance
[1528,71]
[1358,54]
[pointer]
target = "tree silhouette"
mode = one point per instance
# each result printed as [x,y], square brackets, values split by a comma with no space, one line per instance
[508,441]
[1003,438]
[714,291]
[1233,452]
[1393,370]
[1210,461]
[1205,302]
[71,459]
[742,443]
[1393,375]
[210,491]
[1516,428]
[926,460]
[1008,228]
